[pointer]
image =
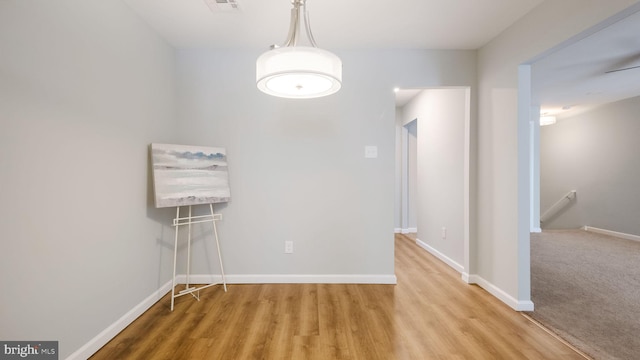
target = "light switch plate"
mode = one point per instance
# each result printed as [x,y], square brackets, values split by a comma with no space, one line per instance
[370,152]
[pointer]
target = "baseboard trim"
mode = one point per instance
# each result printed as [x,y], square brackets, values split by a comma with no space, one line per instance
[536,230]
[114,329]
[408,230]
[611,233]
[515,304]
[466,277]
[444,258]
[518,305]
[291,279]
[397,231]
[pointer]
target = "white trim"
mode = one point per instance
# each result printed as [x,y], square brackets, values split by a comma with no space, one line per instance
[397,231]
[468,204]
[404,178]
[524,207]
[444,258]
[292,279]
[466,277]
[408,230]
[536,230]
[534,171]
[114,329]
[612,233]
[517,305]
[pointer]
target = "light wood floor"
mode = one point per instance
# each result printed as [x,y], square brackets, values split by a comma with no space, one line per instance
[429,314]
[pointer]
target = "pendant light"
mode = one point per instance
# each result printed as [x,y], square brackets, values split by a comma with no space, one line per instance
[298,72]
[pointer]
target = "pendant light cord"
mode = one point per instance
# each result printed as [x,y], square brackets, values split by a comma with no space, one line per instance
[294,26]
[307,25]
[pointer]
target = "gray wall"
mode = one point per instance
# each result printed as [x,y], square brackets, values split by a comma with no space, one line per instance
[85,86]
[597,154]
[297,169]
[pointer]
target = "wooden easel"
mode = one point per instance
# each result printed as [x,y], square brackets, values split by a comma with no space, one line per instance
[177,222]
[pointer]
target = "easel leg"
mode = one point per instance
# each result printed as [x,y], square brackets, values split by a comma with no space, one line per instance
[215,232]
[188,251]
[175,257]
[194,291]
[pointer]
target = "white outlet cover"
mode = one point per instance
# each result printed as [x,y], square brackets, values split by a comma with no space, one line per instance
[288,247]
[370,152]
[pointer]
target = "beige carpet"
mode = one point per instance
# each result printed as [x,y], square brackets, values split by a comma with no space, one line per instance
[586,288]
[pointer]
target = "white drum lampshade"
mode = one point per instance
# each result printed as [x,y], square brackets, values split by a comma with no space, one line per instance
[298,72]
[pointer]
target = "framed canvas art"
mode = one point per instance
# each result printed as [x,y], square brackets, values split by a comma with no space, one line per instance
[189,175]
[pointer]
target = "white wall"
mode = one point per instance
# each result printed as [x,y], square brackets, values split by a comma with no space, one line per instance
[297,168]
[503,179]
[595,153]
[85,86]
[441,115]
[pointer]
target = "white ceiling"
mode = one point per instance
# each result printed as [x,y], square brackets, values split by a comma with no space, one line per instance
[431,24]
[576,77]
[573,76]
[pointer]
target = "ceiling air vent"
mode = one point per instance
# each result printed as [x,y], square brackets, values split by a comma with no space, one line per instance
[223,5]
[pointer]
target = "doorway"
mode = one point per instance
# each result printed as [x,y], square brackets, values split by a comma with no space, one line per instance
[435,169]
[410,177]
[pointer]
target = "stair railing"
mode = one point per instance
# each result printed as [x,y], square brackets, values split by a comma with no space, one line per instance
[559,205]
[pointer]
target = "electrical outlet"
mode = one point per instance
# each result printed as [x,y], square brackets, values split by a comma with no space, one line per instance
[288,247]
[444,232]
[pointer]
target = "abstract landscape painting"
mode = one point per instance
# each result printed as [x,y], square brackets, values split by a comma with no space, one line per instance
[189,175]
